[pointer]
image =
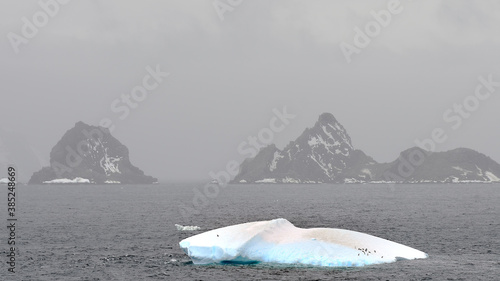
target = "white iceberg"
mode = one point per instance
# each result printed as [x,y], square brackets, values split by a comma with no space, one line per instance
[65,181]
[279,241]
[112,182]
[187,227]
[266,181]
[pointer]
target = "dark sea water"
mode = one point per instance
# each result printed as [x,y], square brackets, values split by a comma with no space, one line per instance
[127,232]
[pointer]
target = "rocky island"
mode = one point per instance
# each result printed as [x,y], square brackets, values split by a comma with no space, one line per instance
[90,154]
[325,154]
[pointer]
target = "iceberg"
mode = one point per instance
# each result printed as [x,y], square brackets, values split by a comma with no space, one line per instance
[67,181]
[187,227]
[112,182]
[279,241]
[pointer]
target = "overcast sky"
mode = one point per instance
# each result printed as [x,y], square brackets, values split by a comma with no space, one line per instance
[227,76]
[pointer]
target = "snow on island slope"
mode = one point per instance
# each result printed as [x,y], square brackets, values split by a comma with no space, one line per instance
[279,241]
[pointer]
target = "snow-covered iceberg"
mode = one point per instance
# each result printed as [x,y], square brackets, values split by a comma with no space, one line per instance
[279,241]
[112,182]
[68,181]
[187,227]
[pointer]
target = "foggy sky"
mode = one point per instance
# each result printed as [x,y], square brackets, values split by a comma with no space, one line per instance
[227,76]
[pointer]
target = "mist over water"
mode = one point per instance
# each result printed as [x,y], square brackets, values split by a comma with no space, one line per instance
[226,76]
